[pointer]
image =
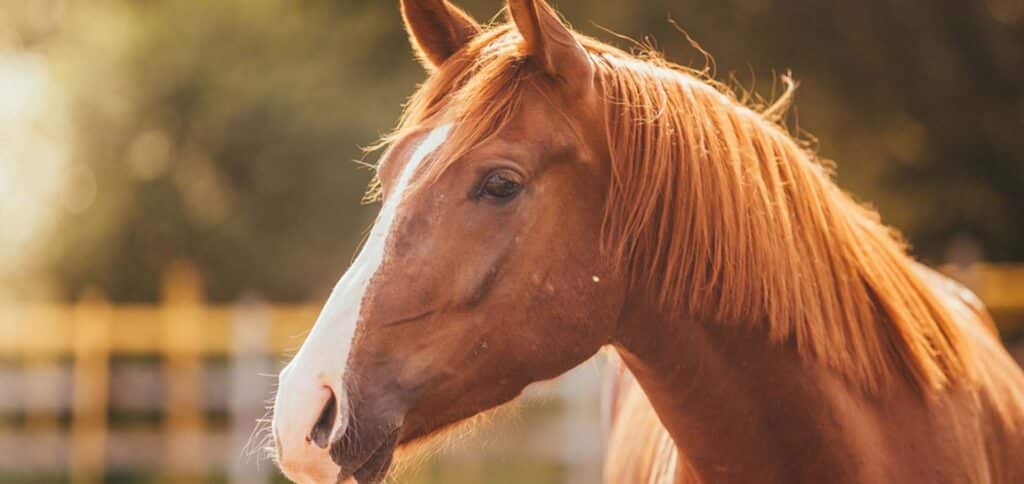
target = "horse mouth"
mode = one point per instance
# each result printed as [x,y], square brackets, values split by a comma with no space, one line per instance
[366,465]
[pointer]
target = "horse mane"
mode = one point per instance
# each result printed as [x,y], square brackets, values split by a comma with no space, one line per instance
[721,214]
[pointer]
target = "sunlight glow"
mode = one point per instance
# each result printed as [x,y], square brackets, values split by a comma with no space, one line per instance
[34,157]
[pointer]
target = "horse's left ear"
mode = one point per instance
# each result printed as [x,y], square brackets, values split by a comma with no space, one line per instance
[550,41]
[437,29]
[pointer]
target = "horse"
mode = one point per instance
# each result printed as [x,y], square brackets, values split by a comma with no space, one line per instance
[545,195]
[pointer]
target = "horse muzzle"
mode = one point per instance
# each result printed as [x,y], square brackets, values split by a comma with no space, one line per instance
[308,410]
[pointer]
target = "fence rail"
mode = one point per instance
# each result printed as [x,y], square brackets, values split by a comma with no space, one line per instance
[183,331]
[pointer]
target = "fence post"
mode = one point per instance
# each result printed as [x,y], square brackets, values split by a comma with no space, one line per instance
[181,314]
[41,343]
[91,383]
[251,366]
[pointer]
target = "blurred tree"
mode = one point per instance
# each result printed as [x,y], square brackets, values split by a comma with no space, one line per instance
[223,131]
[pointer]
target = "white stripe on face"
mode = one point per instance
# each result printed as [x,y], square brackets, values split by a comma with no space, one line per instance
[322,359]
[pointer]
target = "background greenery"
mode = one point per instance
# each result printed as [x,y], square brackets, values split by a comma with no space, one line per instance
[223,132]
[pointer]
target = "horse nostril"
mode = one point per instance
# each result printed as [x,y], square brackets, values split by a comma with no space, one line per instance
[321,433]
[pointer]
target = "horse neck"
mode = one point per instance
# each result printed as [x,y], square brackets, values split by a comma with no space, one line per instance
[733,400]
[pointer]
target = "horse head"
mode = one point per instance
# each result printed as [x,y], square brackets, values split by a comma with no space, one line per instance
[483,271]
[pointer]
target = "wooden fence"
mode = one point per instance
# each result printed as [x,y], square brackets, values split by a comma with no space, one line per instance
[183,332]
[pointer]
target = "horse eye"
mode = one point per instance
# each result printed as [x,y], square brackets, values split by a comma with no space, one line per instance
[500,186]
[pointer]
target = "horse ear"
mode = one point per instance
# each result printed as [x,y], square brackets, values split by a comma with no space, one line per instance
[549,41]
[437,29]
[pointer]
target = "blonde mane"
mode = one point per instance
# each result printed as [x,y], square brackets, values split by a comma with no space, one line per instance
[722,215]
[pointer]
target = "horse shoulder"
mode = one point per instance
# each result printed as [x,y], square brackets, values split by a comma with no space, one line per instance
[1000,391]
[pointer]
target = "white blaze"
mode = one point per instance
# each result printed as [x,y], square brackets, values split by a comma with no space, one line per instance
[321,361]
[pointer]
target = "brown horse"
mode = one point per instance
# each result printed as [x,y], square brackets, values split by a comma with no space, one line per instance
[546,195]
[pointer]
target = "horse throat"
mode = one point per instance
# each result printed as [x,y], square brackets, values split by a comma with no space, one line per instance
[741,408]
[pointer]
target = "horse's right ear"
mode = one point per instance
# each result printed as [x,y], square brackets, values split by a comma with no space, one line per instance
[437,29]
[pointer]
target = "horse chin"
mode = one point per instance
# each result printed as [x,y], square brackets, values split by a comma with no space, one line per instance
[365,458]
[375,468]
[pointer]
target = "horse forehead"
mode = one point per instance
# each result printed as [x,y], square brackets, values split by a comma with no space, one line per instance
[401,153]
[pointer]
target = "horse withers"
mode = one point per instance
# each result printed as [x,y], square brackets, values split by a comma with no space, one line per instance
[546,195]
